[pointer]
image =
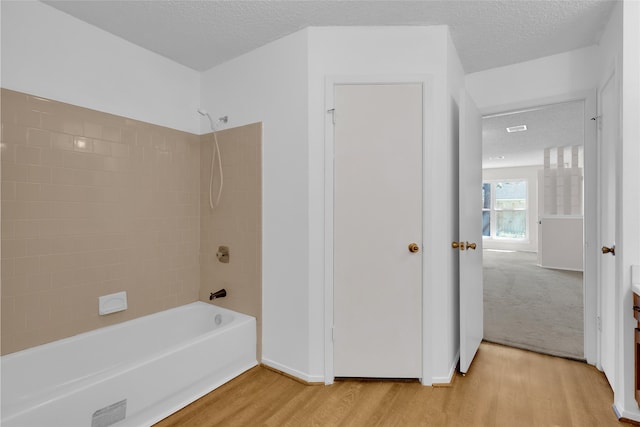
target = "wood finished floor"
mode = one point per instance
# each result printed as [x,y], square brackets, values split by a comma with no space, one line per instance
[504,387]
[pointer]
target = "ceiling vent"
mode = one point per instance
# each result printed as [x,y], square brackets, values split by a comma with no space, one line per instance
[519,128]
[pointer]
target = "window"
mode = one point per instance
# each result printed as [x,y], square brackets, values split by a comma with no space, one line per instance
[504,209]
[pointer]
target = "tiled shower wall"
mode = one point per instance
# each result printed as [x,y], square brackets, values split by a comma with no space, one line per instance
[93,204]
[235,223]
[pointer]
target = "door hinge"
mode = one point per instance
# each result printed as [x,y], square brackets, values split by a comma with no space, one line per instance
[333,334]
[599,323]
[332,111]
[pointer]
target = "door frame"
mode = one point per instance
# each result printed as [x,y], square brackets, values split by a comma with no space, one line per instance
[427,102]
[590,288]
[610,75]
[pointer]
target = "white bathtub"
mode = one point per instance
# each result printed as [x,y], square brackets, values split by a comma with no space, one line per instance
[146,368]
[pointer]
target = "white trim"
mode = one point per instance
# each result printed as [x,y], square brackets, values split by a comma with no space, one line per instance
[610,75]
[452,370]
[590,207]
[628,229]
[620,412]
[328,230]
[428,300]
[537,102]
[590,234]
[330,82]
[293,372]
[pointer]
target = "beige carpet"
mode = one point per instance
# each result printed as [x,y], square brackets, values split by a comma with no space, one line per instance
[530,307]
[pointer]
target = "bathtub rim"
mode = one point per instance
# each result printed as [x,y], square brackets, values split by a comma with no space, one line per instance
[50,394]
[121,325]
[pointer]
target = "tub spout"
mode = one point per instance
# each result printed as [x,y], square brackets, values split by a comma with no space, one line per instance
[218,294]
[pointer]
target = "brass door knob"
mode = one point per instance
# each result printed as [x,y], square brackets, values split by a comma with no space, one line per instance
[471,246]
[611,250]
[413,248]
[458,245]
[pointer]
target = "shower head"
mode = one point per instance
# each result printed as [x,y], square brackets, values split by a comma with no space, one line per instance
[208,116]
[204,113]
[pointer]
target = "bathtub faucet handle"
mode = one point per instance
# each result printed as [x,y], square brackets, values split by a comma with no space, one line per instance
[218,294]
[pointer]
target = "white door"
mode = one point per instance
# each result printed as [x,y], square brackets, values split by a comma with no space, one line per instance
[470,238]
[608,124]
[377,215]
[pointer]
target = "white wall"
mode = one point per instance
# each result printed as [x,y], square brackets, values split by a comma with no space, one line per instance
[547,77]
[530,174]
[560,239]
[629,230]
[388,53]
[609,53]
[269,84]
[50,54]
[283,85]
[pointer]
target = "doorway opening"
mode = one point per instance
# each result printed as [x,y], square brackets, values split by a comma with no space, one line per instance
[534,228]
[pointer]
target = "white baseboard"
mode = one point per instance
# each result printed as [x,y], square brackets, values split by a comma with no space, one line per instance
[628,415]
[446,379]
[452,370]
[293,372]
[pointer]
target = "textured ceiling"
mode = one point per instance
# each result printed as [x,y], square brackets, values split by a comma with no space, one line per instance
[557,125]
[487,33]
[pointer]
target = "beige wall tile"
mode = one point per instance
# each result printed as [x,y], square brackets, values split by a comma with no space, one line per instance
[39,173]
[236,222]
[27,191]
[62,141]
[119,150]
[14,248]
[38,138]
[82,144]
[24,229]
[111,133]
[85,213]
[30,119]
[51,157]
[92,129]
[51,122]
[27,155]
[11,133]
[8,190]
[14,172]
[102,147]
[128,136]
[94,203]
